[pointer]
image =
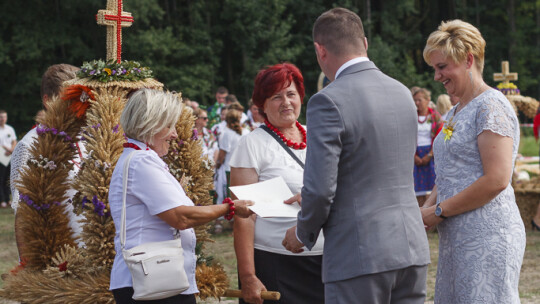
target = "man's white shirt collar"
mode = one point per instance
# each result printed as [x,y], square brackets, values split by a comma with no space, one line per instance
[349,63]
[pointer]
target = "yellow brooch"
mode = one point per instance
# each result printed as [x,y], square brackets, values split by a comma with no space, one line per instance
[448,129]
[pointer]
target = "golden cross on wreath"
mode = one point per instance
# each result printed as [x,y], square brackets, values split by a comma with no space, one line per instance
[114,18]
[505,76]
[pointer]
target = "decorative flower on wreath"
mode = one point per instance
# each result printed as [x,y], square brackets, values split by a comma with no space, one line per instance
[508,88]
[20,266]
[114,71]
[79,95]
[99,207]
[63,266]
[67,262]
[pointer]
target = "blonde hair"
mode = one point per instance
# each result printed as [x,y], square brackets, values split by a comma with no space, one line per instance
[443,104]
[425,92]
[455,39]
[198,111]
[147,112]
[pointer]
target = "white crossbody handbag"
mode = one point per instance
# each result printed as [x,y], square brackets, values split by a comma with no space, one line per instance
[157,269]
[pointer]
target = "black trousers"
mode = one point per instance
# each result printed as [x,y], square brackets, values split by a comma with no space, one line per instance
[297,278]
[4,183]
[124,296]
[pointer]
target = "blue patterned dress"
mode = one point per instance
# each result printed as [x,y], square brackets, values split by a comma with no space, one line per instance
[480,251]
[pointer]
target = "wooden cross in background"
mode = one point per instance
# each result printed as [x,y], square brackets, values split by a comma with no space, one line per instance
[114,18]
[505,76]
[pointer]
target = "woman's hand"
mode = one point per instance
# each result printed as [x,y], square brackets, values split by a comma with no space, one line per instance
[296,198]
[429,217]
[241,208]
[417,161]
[251,289]
[426,159]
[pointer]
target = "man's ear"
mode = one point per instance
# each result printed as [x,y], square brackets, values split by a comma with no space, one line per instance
[320,50]
[365,43]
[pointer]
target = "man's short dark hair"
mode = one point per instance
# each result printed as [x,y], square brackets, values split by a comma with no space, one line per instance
[340,31]
[52,79]
[222,90]
[231,98]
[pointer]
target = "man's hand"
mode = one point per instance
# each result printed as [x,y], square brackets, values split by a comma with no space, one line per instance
[8,150]
[296,198]
[291,243]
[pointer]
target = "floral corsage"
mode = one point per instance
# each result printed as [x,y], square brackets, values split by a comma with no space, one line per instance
[448,129]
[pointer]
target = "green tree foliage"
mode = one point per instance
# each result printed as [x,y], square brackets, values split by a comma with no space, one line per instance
[257,34]
[196,46]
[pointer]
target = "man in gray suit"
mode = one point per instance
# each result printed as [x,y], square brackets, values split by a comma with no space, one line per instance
[358,179]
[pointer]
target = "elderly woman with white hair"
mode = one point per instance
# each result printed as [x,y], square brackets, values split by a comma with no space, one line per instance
[155,201]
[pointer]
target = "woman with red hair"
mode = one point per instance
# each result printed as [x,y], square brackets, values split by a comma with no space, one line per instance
[277,148]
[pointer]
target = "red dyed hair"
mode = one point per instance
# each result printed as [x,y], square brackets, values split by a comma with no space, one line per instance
[275,78]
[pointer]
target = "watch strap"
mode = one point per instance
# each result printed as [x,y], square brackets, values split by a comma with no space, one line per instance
[440,214]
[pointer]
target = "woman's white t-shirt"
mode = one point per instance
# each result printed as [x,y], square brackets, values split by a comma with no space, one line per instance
[151,190]
[228,141]
[424,132]
[260,151]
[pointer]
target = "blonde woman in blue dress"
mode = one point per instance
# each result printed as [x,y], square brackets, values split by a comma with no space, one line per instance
[481,233]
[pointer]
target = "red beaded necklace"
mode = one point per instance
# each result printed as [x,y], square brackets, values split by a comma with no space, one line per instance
[430,111]
[288,142]
[133,146]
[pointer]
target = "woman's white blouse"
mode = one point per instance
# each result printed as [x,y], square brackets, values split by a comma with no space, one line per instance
[151,190]
[424,133]
[260,151]
[228,141]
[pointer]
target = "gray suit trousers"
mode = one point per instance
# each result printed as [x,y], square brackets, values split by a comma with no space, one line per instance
[402,286]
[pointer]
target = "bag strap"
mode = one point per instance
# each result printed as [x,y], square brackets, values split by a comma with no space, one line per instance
[124,193]
[276,137]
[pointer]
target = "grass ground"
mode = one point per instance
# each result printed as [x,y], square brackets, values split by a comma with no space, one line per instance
[8,248]
[528,146]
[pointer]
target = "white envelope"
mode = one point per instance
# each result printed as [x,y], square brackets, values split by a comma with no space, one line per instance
[268,197]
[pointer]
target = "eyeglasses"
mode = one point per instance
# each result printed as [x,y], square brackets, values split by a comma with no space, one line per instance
[203,118]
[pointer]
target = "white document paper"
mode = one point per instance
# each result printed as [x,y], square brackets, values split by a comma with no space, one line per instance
[4,159]
[268,197]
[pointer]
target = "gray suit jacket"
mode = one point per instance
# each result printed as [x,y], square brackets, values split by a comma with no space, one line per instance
[358,179]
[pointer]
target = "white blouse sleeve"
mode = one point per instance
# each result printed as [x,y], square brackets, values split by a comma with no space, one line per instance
[225,140]
[154,186]
[247,153]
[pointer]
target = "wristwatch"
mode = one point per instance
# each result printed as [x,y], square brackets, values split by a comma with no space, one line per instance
[438,212]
